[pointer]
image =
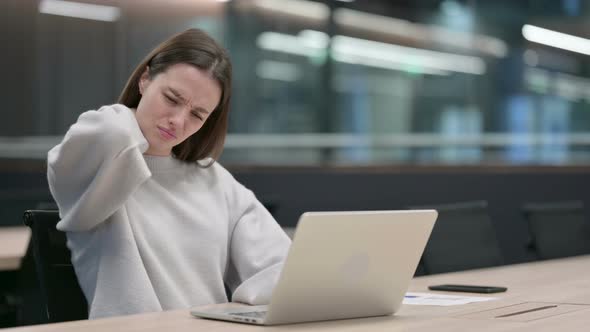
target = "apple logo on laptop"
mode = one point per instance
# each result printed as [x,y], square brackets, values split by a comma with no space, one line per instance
[355,267]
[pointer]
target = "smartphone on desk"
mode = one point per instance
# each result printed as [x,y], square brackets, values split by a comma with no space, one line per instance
[468,288]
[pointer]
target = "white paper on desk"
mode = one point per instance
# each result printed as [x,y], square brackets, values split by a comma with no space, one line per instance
[441,299]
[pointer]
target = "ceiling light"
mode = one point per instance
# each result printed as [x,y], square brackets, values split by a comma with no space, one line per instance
[80,10]
[556,39]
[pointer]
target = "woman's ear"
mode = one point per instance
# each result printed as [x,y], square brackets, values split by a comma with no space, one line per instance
[144,80]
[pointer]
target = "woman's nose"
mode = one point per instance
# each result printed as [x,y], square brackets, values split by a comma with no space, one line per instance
[177,118]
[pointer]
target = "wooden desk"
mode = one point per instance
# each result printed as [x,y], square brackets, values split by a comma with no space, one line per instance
[13,246]
[565,281]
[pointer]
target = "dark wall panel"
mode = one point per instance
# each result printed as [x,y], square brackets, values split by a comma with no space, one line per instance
[296,191]
[293,191]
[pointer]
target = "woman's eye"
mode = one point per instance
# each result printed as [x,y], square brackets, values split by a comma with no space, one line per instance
[197,115]
[171,100]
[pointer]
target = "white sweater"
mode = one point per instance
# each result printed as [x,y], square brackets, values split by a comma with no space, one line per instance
[154,233]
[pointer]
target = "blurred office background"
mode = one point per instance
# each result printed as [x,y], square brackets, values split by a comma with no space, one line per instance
[480,108]
[365,82]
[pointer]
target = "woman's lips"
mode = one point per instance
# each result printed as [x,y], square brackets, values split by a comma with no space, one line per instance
[166,133]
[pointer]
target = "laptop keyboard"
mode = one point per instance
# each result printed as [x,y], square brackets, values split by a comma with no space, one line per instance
[253,314]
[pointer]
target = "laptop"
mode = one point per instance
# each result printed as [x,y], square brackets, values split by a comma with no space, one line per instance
[341,265]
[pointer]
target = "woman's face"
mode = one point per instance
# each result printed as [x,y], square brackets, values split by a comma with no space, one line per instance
[174,105]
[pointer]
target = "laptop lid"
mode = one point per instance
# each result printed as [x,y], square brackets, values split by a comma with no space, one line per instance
[349,264]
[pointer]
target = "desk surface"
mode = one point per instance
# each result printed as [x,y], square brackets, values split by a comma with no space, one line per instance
[13,246]
[556,281]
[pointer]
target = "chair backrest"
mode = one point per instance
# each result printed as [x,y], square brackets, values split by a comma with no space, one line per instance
[64,300]
[558,229]
[463,238]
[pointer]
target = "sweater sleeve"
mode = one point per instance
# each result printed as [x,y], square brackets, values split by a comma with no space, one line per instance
[258,249]
[99,163]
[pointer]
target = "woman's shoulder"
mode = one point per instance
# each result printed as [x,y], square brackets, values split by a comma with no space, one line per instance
[209,168]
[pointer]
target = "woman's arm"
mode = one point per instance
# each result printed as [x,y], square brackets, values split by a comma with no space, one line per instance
[258,249]
[99,163]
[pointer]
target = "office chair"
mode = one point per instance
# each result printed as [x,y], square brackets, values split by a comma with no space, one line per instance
[420,270]
[8,310]
[463,238]
[557,229]
[271,205]
[60,291]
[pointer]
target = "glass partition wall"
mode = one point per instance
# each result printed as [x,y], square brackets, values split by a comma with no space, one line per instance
[328,82]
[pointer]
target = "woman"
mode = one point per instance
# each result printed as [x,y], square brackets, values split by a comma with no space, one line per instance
[153,221]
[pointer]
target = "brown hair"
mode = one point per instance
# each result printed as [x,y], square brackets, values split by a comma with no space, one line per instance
[196,48]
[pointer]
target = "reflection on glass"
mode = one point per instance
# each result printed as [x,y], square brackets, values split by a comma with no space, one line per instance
[330,82]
